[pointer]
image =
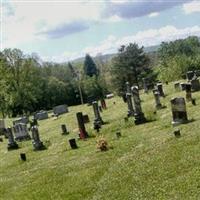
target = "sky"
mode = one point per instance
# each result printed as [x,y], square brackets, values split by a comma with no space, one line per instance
[62,30]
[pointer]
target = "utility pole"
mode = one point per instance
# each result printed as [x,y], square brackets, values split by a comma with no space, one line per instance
[79,87]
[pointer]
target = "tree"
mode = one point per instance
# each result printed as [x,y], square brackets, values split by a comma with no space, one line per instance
[90,68]
[130,64]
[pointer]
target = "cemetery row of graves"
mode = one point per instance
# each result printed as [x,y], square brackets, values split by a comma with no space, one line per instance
[134,104]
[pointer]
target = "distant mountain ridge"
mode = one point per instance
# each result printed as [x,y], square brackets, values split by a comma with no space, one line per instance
[108,57]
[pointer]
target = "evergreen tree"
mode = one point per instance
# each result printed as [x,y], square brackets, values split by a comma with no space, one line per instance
[90,68]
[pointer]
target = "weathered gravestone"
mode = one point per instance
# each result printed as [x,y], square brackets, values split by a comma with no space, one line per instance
[157,100]
[23,120]
[37,144]
[64,129]
[179,112]
[11,142]
[138,114]
[21,132]
[61,109]
[72,143]
[195,84]
[97,120]
[103,104]
[41,115]
[182,86]
[82,131]
[190,75]
[160,89]
[130,105]
[188,91]
[177,86]
[2,126]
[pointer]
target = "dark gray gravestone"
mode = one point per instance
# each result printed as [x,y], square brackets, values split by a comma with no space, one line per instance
[11,142]
[41,115]
[64,129]
[182,86]
[130,105]
[61,109]
[188,90]
[82,131]
[157,100]
[179,112]
[37,144]
[160,89]
[195,84]
[21,132]
[190,75]
[138,114]
[72,143]
[97,120]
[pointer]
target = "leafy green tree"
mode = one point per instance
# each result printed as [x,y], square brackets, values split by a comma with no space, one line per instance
[130,64]
[90,68]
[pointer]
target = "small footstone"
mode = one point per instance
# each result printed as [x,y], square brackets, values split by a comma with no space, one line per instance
[194,102]
[73,144]
[23,156]
[118,134]
[177,133]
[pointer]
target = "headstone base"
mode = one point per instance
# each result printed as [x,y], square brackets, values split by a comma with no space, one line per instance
[38,146]
[140,119]
[12,146]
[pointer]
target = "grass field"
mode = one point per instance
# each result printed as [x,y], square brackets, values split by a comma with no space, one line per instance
[147,162]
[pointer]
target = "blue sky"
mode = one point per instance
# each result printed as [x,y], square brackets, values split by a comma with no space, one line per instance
[63,30]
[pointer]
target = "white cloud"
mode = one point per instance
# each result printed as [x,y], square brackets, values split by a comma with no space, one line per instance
[29,18]
[154,14]
[143,38]
[191,7]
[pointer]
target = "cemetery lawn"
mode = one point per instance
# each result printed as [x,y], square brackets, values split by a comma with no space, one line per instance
[147,162]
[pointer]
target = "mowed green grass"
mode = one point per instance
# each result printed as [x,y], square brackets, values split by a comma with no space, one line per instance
[147,162]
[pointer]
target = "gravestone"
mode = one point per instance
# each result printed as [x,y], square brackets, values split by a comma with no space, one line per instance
[64,129]
[82,131]
[190,75]
[130,105]
[138,114]
[21,132]
[41,115]
[22,120]
[23,156]
[98,120]
[72,143]
[37,144]
[188,91]
[110,96]
[157,100]
[2,127]
[177,86]
[195,84]
[182,86]
[179,112]
[160,89]
[61,109]
[103,104]
[11,142]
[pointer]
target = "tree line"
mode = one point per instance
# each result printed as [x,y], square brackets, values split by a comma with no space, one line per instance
[28,84]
